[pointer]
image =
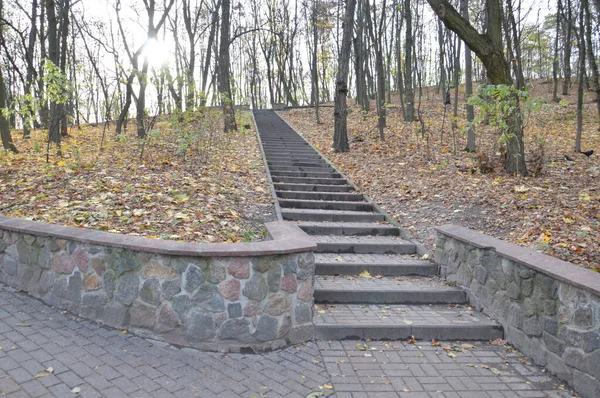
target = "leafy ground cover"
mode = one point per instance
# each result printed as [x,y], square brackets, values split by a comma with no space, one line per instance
[424,179]
[188,182]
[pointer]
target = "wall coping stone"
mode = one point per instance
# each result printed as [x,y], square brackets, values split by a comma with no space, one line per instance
[287,238]
[559,269]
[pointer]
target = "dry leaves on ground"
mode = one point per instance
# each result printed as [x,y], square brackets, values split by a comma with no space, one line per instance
[422,182]
[193,183]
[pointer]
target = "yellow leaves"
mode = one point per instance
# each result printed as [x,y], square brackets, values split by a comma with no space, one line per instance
[584,197]
[61,163]
[365,274]
[545,236]
[520,188]
[568,220]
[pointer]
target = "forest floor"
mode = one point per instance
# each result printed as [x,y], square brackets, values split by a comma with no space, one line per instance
[196,187]
[427,180]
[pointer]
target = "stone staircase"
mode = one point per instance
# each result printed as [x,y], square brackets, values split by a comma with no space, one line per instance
[399,295]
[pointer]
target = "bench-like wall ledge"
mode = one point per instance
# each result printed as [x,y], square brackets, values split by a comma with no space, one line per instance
[213,296]
[549,308]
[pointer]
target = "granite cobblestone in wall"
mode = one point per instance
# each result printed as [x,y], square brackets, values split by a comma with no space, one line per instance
[214,303]
[554,322]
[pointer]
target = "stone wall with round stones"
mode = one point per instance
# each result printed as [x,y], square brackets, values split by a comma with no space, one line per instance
[549,308]
[218,297]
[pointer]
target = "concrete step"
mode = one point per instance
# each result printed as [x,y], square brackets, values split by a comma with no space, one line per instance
[385,290]
[313,187]
[327,174]
[294,158]
[329,215]
[285,154]
[340,197]
[363,244]
[311,180]
[287,147]
[349,229]
[400,322]
[281,153]
[296,163]
[324,205]
[319,169]
[376,264]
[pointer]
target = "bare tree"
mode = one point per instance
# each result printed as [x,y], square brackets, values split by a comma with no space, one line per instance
[340,113]
[488,48]
[224,82]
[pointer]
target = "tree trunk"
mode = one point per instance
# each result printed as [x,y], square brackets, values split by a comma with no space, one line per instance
[464,10]
[555,63]
[580,79]
[568,27]
[408,52]
[340,113]
[64,33]
[223,77]
[314,64]
[590,54]
[53,56]
[488,48]
[29,54]
[7,142]
[380,73]
[44,112]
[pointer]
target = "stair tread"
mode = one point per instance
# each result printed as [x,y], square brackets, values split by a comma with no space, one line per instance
[320,211]
[386,283]
[383,224]
[385,240]
[369,259]
[365,315]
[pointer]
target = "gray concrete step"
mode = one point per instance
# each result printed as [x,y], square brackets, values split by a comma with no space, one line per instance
[324,205]
[313,187]
[376,264]
[294,156]
[340,197]
[295,163]
[378,289]
[329,215]
[310,180]
[292,159]
[349,229]
[312,174]
[320,169]
[363,244]
[400,322]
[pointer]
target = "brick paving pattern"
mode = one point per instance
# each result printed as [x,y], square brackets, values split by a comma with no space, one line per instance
[107,363]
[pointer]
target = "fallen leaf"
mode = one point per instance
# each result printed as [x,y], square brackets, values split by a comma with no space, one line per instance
[452,355]
[408,322]
[362,346]
[365,274]
[76,390]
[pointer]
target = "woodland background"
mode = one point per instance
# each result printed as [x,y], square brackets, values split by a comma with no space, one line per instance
[122,115]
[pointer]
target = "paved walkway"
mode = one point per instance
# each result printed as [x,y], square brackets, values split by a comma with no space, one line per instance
[101,362]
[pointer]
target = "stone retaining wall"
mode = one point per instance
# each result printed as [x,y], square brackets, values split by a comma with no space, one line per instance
[549,308]
[218,297]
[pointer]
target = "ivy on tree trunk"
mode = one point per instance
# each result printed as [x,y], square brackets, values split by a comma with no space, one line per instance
[488,48]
